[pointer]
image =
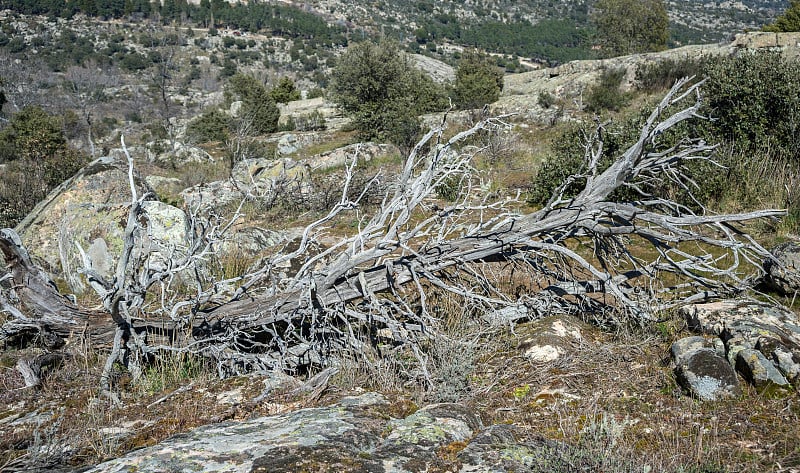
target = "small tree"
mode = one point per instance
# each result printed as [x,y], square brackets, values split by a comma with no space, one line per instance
[478,82]
[210,126]
[383,91]
[258,107]
[285,92]
[631,26]
[789,21]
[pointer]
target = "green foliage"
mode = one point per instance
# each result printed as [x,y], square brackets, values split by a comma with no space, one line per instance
[606,94]
[754,100]
[631,26]
[384,93]
[478,82]
[558,40]
[315,92]
[33,134]
[258,107]
[210,126]
[134,62]
[661,75]
[37,159]
[546,99]
[285,91]
[789,21]
[569,157]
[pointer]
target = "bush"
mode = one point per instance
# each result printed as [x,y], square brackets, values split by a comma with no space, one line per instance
[285,91]
[754,100]
[661,75]
[38,159]
[606,94]
[478,82]
[546,99]
[211,126]
[568,158]
[384,93]
[257,105]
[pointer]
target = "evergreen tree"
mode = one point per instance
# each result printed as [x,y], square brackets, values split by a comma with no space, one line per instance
[258,107]
[631,26]
[478,82]
[285,91]
[383,91]
[789,21]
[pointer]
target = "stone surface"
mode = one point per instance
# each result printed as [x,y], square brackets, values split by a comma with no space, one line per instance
[548,339]
[174,154]
[568,81]
[759,371]
[702,372]
[254,178]
[760,340]
[783,357]
[353,435]
[90,210]
[364,152]
[783,269]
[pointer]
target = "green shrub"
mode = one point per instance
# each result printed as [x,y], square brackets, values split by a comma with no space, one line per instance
[38,159]
[568,158]
[285,92]
[478,82]
[546,99]
[210,126]
[258,107]
[606,94]
[754,101]
[661,75]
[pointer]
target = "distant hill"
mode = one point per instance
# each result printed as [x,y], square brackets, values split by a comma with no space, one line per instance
[547,31]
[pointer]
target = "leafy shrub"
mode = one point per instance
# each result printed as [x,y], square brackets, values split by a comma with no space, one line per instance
[379,87]
[134,62]
[315,92]
[478,82]
[546,99]
[754,100]
[312,122]
[210,126]
[568,158]
[285,92]
[606,94]
[258,107]
[38,159]
[661,75]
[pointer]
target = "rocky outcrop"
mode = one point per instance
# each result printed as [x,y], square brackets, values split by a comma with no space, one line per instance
[174,154]
[782,270]
[760,340]
[567,81]
[88,212]
[549,339]
[252,178]
[701,370]
[364,152]
[355,434]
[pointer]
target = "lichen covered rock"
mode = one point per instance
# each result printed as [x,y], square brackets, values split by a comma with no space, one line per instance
[759,371]
[783,269]
[701,371]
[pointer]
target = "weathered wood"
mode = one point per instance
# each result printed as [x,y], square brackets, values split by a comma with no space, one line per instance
[407,247]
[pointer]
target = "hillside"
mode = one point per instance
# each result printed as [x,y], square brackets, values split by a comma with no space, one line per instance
[211,269]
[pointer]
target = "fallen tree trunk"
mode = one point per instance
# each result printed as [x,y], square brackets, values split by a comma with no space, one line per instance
[379,277]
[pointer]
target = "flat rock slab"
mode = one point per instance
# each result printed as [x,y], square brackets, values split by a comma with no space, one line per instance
[356,434]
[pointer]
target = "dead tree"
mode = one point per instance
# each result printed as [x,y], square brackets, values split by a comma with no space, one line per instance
[378,282]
